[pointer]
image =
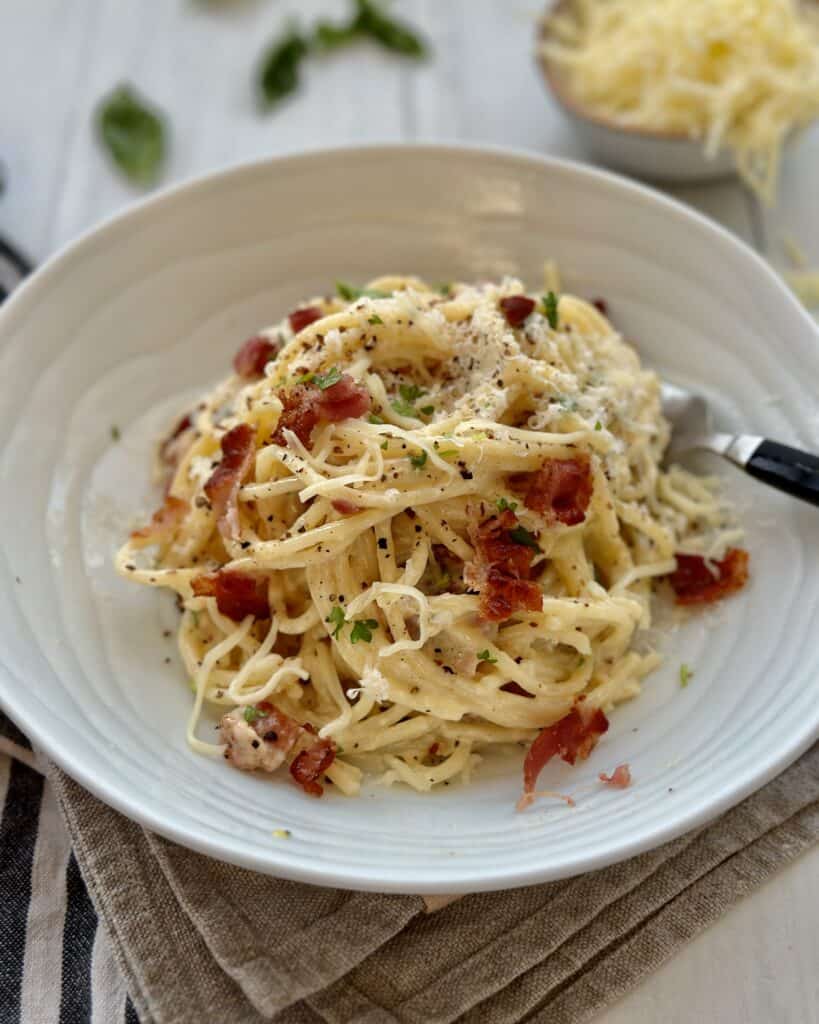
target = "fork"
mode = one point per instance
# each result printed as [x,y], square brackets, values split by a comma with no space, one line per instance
[788,469]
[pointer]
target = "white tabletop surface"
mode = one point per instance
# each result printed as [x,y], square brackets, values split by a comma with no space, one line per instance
[759,964]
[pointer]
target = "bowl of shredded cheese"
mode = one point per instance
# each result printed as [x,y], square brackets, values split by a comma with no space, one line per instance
[685,90]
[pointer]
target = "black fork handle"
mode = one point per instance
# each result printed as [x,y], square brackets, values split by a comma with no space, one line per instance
[787,469]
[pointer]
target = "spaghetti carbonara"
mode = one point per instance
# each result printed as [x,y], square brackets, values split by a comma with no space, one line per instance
[417,523]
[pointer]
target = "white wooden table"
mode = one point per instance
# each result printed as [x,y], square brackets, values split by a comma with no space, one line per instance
[759,964]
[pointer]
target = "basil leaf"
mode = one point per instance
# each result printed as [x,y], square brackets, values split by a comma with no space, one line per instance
[327,36]
[487,657]
[279,71]
[393,35]
[133,133]
[404,408]
[410,392]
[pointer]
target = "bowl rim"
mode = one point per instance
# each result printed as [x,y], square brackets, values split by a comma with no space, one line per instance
[116,228]
[558,87]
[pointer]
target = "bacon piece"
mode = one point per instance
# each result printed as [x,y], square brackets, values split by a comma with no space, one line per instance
[237,593]
[301,318]
[169,452]
[344,507]
[223,486]
[263,743]
[694,583]
[560,490]
[573,737]
[254,355]
[501,570]
[306,405]
[516,308]
[163,523]
[620,778]
[308,766]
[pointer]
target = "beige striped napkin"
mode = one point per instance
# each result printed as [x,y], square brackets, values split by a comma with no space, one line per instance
[198,940]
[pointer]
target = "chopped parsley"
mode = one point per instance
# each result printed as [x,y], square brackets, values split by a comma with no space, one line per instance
[444,288]
[598,425]
[363,630]
[405,405]
[520,535]
[337,619]
[550,309]
[447,453]
[350,293]
[384,445]
[372,418]
[115,433]
[487,657]
[419,461]
[251,714]
[327,380]
[685,675]
[503,505]
[375,319]
[427,410]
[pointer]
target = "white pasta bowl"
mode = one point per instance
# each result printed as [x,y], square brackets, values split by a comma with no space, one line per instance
[123,326]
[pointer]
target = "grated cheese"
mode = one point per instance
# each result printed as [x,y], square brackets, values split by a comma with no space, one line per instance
[741,73]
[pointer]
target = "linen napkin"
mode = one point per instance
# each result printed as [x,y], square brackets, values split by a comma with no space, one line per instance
[198,940]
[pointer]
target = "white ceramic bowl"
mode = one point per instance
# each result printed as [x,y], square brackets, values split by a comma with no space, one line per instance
[666,156]
[122,326]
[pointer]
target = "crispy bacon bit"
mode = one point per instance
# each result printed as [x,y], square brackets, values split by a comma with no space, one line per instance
[222,489]
[560,490]
[694,583]
[516,308]
[308,766]
[344,507]
[501,569]
[301,318]
[169,451]
[237,593]
[306,405]
[253,356]
[601,306]
[262,743]
[163,523]
[620,778]
[573,737]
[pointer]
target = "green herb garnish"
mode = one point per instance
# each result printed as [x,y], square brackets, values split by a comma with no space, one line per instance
[520,535]
[404,409]
[279,70]
[487,657]
[327,380]
[427,410]
[550,309]
[363,630]
[598,425]
[384,445]
[419,461]
[337,619]
[375,319]
[133,133]
[503,505]
[685,675]
[251,714]
[410,392]
[115,433]
[447,453]
[350,293]
[444,288]
[372,418]
[370,20]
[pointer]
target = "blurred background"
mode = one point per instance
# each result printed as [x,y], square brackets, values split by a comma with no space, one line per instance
[196,60]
